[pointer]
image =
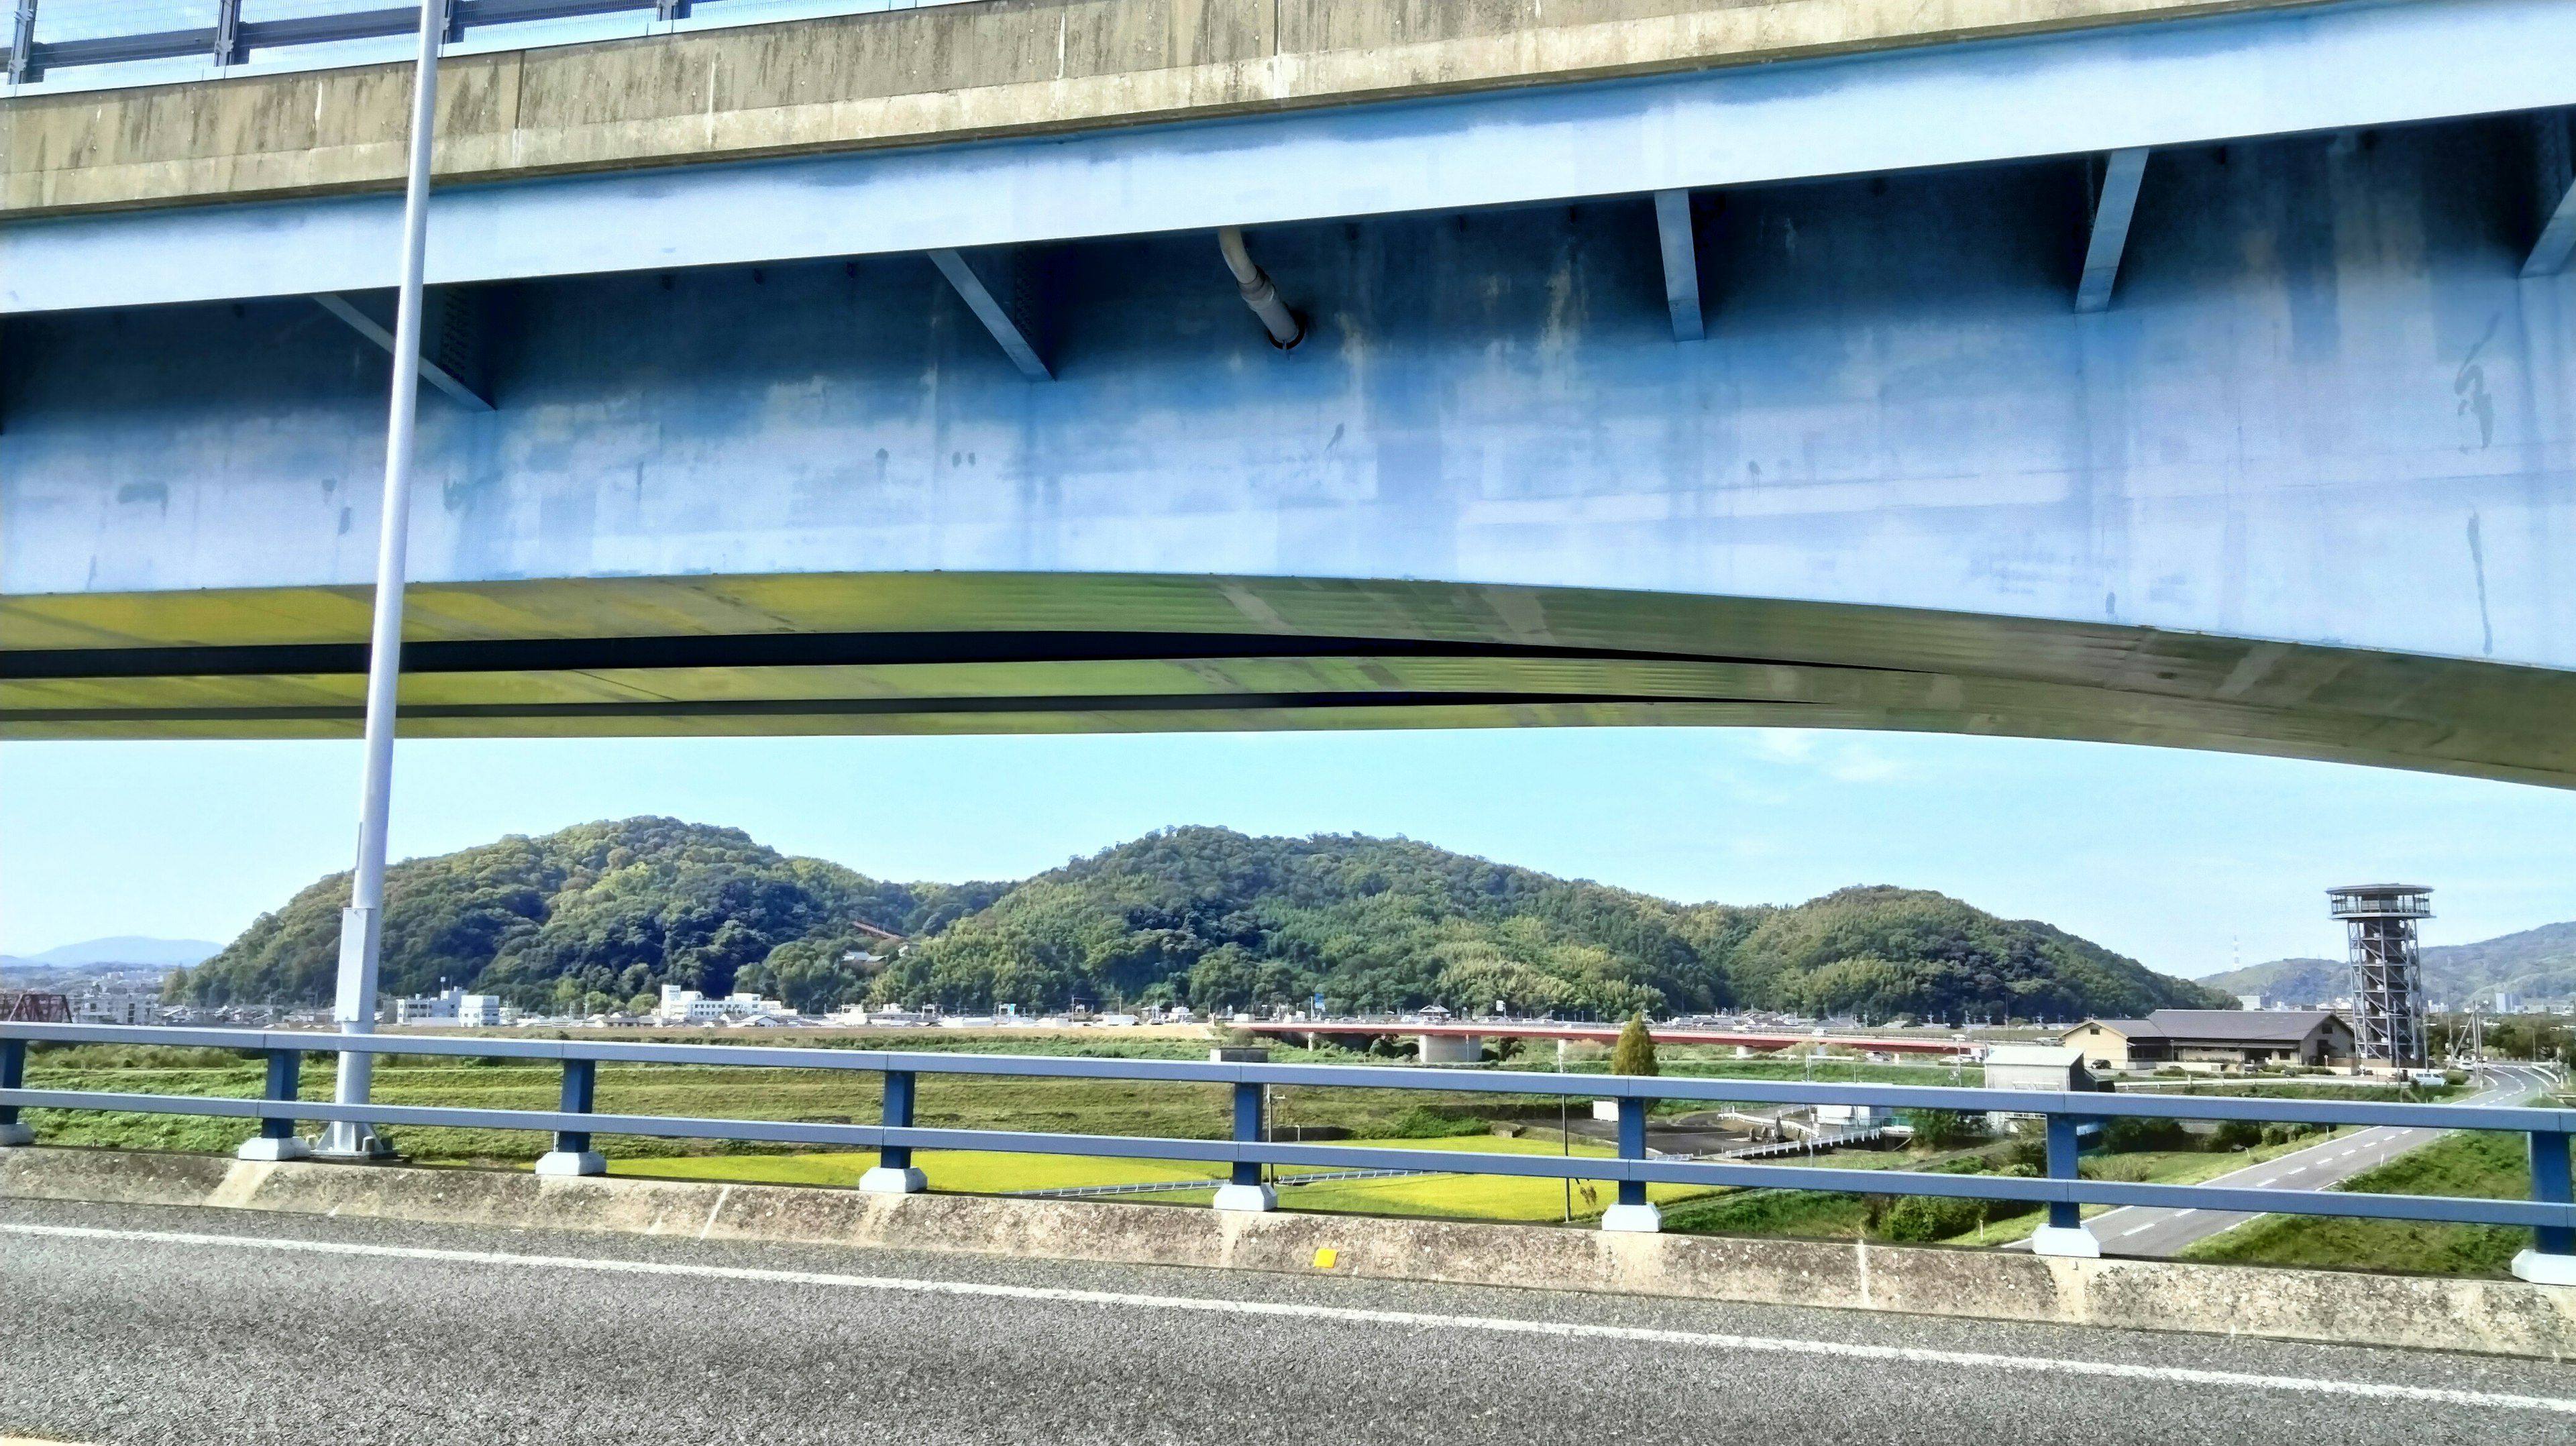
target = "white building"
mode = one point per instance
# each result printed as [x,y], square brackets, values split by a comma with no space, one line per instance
[479,1011]
[688,1006]
[118,1005]
[439,1008]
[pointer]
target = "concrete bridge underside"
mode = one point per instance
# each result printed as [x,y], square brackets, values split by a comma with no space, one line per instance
[2303,489]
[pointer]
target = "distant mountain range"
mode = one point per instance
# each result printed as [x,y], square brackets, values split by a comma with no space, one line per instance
[2537,964]
[602,915]
[132,951]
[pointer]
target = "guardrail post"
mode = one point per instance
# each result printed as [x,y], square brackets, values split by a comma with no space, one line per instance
[1245,1191]
[1633,1214]
[2551,1260]
[276,1139]
[894,1173]
[2064,1234]
[572,1154]
[13,1076]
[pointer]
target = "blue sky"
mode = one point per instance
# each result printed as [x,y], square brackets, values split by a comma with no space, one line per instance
[2169,856]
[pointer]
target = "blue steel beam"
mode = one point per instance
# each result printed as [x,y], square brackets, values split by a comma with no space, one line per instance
[1003,305]
[431,372]
[2553,149]
[2112,210]
[1680,245]
[2167,85]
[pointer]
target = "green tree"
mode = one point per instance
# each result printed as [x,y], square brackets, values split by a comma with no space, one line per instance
[1940,1129]
[1635,1051]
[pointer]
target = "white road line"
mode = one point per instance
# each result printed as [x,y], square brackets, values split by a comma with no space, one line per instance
[1496,1325]
[2134,1229]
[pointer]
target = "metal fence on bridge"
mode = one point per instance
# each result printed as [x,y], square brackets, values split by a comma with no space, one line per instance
[49,35]
[2550,1213]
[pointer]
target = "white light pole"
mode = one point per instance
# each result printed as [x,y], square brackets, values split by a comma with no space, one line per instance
[362,923]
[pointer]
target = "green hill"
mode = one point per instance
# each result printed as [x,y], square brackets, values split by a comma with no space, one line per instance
[589,918]
[1205,916]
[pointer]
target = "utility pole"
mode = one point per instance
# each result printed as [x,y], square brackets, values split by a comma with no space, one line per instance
[362,923]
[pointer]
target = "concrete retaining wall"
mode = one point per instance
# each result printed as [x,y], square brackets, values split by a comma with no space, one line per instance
[903,77]
[2498,1317]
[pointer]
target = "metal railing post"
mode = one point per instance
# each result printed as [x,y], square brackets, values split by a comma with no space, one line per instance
[1243,1189]
[1633,1213]
[2551,1260]
[13,1076]
[895,1173]
[2064,1234]
[277,1139]
[572,1154]
[22,44]
[229,50]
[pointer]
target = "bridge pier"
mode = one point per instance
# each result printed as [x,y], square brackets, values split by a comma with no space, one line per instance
[895,1173]
[1452,1048]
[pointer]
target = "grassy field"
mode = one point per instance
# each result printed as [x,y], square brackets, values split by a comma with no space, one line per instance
[2480,1163]
[1476,1197]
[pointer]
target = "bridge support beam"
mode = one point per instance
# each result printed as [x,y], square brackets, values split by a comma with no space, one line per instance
[572,1154]
[13,1076]
[1005,304]
[447,346]
[1681,264]
[277,1139]
[2064,1234]
[2551,1260]
[1634,1214]
[1245,1190]
[895,1173]
[2121,172]
[2553,151]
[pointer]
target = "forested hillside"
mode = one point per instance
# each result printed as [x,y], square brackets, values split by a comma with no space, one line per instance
[601,913]
[590,918]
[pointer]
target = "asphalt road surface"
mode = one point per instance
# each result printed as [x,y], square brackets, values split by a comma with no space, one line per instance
[2138,1230]
[187,1326]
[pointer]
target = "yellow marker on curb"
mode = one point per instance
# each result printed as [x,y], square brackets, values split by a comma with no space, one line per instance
[1325,1257]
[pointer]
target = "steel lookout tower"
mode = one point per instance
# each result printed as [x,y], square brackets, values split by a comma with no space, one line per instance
[2387,972]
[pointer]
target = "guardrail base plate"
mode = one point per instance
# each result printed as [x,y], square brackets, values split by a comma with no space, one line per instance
[2541,1269]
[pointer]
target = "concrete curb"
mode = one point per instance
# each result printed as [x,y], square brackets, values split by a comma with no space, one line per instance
[2499,1317]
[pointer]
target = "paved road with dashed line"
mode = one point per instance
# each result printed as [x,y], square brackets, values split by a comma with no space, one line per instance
[131,1325]
[2139,1230]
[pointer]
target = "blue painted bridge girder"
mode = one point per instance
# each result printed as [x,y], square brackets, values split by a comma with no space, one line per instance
[2304,488]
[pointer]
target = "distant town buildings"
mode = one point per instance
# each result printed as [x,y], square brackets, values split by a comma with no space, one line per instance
[118,1003]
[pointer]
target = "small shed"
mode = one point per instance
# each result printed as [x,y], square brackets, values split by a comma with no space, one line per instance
[2036,1067]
